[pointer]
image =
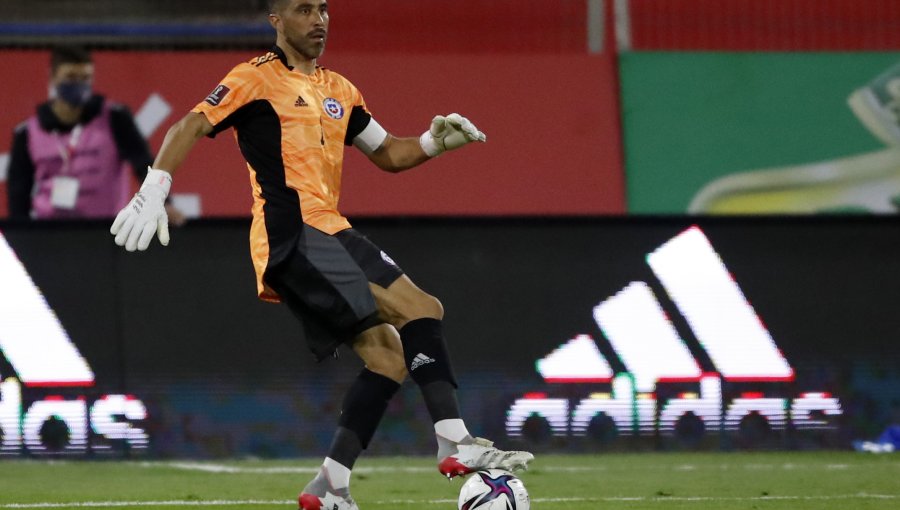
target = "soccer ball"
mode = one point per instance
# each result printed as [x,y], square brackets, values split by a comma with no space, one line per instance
[493,489]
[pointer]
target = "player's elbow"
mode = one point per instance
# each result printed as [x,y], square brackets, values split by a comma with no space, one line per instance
[395,155]
[383,159]
[393,163]
[391,166]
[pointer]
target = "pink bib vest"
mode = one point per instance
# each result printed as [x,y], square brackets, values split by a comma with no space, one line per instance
[89,154]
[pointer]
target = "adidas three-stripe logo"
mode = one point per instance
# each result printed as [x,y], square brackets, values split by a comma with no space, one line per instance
[420,360]
[643,337]
[44,358]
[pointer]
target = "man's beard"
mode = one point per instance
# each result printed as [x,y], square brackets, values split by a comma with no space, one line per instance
[304,48]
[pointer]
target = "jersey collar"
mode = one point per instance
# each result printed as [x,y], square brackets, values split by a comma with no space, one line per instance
[281,56]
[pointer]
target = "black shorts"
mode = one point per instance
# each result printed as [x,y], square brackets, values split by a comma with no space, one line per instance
[325,283]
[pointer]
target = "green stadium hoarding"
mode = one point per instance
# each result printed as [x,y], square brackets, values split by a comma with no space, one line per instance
[741,132]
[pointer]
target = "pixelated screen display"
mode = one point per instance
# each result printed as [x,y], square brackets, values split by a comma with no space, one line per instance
[604,333]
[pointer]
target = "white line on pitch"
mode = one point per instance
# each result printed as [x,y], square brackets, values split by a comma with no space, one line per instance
[654,499]
[657,499]
[224,468]
[126,504]
[228,469]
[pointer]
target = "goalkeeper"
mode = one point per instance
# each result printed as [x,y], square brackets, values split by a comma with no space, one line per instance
[292,120]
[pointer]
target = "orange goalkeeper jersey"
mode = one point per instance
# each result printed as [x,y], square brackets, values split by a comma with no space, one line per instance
[291,129]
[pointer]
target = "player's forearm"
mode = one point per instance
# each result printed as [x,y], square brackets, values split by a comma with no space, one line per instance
[179,141]
[399,154]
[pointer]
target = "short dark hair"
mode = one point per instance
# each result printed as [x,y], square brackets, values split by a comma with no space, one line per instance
[275,5]
[69,55]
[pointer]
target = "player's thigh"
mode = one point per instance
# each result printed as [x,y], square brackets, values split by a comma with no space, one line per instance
[398,299]
[378,267]
[324,286]
[403,301]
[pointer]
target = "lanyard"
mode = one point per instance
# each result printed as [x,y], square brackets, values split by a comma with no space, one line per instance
[67,150]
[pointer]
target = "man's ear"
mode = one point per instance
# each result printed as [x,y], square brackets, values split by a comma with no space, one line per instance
[274,20]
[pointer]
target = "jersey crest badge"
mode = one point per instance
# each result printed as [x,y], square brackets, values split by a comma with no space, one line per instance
[333,108]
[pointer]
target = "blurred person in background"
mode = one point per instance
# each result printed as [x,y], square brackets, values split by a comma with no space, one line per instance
[293,119]
[68,161]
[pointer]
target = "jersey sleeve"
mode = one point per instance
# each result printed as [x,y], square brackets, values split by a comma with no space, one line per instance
[359,120]
[359,115]
[243,85]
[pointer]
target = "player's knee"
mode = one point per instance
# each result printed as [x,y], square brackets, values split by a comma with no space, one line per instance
[431,308]
[424,306]
[403,302]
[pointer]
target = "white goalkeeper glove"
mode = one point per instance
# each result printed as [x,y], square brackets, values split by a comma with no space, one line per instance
[145,214]
[448,133]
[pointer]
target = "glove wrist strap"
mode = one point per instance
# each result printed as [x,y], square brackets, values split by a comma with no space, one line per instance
[429,144]
[159,178]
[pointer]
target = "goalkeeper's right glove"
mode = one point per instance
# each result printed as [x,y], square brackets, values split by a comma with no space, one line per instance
[448,133]
[145,215]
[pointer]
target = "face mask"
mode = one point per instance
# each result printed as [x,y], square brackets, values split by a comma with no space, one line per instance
[76,93]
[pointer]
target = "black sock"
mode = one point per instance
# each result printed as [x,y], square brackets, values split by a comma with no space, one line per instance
[345,447]
[440,399]
[364,405]
[429,366]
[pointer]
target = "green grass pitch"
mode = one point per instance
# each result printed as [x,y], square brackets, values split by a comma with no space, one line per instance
[657,481]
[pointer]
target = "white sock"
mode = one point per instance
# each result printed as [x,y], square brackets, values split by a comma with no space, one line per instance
[338,475]
[453,430]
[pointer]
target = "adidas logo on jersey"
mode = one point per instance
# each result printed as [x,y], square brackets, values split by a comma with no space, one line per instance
[420,360]
[301,101]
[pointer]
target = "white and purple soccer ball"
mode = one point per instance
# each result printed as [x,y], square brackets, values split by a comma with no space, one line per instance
[493,489]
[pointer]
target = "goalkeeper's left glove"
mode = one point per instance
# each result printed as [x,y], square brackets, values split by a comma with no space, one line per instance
[145,215]
[448,133]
